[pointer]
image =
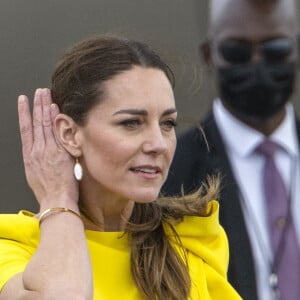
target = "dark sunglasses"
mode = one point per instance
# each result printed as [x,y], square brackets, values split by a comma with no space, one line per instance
[240,52]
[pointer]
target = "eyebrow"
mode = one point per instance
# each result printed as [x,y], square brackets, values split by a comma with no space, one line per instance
[142,112]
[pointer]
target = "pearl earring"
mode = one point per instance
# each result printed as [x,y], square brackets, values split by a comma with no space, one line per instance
[78,170]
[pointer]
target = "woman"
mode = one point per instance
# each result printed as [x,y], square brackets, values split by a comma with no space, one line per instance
[101,234]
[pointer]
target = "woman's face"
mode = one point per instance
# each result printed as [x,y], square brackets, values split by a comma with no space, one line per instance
[129,139]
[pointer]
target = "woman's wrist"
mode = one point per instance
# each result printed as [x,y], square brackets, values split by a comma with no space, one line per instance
[64,201]
[56,210]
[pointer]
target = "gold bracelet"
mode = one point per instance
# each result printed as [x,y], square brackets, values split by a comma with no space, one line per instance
[53,210]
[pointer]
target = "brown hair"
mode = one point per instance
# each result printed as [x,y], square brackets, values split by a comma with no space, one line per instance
[77,86]
[78,77]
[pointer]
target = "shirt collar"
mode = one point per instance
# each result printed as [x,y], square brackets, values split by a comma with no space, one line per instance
[242,139]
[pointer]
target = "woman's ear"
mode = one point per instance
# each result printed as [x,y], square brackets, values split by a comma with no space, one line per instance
[68,134]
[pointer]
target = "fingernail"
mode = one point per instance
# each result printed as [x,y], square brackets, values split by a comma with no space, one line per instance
[37,91]
[21,99]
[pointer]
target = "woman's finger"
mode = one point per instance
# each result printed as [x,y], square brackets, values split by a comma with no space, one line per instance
[38,130]
[47,120]
[54,112]
[25,124]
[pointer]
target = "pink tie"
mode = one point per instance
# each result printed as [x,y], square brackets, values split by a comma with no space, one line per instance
[285,276]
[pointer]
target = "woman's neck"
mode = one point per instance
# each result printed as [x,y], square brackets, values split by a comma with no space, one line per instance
[105,214]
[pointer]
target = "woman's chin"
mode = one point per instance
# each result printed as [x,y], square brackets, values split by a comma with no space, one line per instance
[145,197]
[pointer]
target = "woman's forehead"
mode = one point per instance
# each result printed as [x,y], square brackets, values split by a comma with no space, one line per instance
[139,88]
[138,82]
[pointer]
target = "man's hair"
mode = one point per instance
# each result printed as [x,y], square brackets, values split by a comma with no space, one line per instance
[217,8]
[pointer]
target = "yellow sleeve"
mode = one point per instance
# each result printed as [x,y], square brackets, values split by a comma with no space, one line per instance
[13,259]
[19,236]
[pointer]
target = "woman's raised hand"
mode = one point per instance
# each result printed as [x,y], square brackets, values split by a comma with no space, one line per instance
[52,272]
[48,166]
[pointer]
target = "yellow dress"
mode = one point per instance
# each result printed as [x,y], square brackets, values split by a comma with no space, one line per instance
[203,238]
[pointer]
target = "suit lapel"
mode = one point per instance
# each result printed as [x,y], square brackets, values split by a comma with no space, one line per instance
[241,271]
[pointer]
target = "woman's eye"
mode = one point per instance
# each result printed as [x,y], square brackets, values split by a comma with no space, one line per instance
[131,124]
[169,124]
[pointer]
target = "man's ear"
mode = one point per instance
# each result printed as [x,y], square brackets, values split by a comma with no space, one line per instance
[205,52]
[68,134]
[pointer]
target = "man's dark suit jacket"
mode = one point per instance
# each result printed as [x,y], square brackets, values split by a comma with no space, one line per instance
[192,163]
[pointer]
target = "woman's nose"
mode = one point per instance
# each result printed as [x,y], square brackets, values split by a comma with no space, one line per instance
[155,141]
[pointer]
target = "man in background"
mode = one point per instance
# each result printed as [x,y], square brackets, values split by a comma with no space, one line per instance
[252,140]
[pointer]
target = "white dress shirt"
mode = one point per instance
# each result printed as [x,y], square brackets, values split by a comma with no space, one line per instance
[240,141]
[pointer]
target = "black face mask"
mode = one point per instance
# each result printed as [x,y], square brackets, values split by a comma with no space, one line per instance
[256,91]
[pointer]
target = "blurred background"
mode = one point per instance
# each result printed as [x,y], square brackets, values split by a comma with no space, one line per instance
[34,33]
